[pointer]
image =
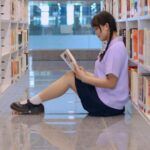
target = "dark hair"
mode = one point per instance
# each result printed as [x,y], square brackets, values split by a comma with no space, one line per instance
[101,19]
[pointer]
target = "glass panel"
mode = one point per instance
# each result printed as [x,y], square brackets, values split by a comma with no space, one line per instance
[59,19]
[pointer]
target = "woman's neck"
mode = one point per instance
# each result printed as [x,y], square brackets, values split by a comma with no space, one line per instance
[113,36]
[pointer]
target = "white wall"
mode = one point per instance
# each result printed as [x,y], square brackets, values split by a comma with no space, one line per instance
[52,42]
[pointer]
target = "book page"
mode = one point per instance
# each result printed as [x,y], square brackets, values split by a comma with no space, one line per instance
[68,58]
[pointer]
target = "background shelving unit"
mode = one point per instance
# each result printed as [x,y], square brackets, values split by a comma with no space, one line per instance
[13,41]
[133,22]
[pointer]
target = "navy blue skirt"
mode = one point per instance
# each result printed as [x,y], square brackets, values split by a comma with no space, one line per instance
[92,103]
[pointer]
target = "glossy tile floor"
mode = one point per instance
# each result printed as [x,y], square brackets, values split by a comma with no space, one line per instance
[65,125]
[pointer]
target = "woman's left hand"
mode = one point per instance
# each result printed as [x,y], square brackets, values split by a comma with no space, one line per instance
[80,73]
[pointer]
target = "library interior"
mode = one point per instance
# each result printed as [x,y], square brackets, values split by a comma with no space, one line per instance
[33,35]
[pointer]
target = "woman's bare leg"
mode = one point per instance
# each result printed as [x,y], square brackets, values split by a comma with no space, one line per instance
[56,89]
[59,87]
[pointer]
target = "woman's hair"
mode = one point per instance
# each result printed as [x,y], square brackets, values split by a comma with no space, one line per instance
[101,19]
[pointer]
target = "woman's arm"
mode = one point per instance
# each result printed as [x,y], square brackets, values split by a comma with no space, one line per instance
[86,72]
[108,81]
[89,73]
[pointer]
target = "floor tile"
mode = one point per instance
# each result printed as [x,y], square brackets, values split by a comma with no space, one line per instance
[65,124]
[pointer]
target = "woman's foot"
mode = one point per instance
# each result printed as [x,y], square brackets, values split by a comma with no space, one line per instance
[27,108]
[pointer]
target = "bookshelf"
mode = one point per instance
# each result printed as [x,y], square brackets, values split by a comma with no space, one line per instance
[133,22]
[13,41]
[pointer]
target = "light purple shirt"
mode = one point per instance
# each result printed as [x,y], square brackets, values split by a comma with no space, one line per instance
[114,62]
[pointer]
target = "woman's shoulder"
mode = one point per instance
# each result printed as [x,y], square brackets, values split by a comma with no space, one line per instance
[118,46]
[118,49]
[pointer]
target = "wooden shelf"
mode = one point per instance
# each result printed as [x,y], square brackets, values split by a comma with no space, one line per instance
[146,117]
[147,17]
[5,54]
[133,62]
[147,68]
[4,87]
[137,29]
[13,35]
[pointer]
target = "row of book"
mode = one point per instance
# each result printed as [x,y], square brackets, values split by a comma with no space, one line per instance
[19,65]
[12,69]
[13,34]
[140,90]
[13,38]
[131,38]
[14,10]
[18,37]
[5,37]
[137,43]
[19,10]
[122,9]
[136,38]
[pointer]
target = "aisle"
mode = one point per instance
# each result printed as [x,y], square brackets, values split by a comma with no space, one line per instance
[65,125]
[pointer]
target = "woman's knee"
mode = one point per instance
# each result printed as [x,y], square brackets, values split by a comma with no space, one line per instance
[70,78]
[70,74]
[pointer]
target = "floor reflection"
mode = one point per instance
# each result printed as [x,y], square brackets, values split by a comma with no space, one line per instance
[81,133]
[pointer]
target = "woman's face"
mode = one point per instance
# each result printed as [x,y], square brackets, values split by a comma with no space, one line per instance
[102,32]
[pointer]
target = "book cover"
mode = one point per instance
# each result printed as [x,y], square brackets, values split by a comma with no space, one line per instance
[68,58]
[141,48]
[135,44]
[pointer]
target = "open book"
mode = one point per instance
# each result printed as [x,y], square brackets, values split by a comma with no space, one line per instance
[68,58]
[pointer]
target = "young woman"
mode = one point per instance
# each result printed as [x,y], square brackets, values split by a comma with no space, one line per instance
[103,93]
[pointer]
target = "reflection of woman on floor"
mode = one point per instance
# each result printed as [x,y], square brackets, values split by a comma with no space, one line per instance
[105,134]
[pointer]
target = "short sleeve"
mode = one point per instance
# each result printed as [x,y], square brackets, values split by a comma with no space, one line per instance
[114,61]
